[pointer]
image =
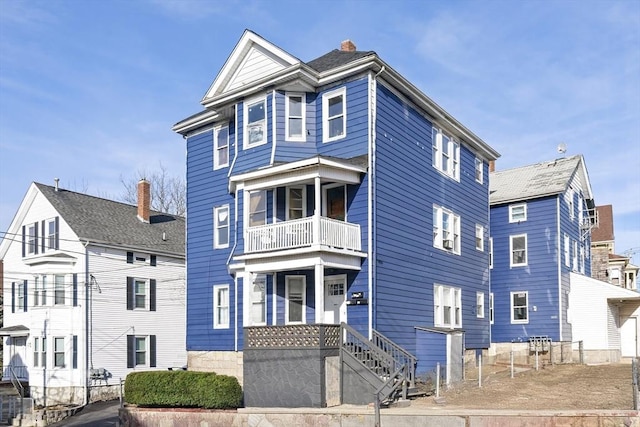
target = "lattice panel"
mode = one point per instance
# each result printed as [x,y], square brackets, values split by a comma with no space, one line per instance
[291,336]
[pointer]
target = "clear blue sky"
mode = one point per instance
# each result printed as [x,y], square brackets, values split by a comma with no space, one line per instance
[89,90]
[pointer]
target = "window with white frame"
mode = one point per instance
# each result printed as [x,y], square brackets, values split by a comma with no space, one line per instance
[51,234]
[32,239]
[40,352]
[221,307]
[570,204]
[580,210]
[480,305]
[58,352]
[36,351]
[139,293]
[520,307]
[490,252]
[220,147]
[221,226]
[567,250]
[446,154]
[36,291]
[257,208]
[575,256]
[518,213]
[479,237]
[295,113]
[447,306]
[140,351]
[255,130]
[518,248]
[295,202]
[258,300]
[479,171]
[334,115]
[295,299]
[491,308]
[59,290]
[21,296]
[446,229]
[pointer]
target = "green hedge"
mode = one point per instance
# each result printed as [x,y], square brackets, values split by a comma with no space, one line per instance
[182,389]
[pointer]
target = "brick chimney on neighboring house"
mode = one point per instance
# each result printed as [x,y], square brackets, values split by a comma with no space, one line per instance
[144,200]
[347,46]
[492,165]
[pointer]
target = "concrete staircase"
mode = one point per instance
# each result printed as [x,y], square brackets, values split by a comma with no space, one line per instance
[14,409]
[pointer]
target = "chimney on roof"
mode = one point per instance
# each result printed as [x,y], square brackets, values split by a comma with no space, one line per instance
[492,166]
[144,200]
[347,46]
[57,181]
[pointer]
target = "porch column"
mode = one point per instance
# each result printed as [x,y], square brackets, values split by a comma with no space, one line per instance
[319,292]
[317,212]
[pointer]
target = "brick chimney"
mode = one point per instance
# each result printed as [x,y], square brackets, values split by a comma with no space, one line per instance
[492,166]
[347,46]
[144,200]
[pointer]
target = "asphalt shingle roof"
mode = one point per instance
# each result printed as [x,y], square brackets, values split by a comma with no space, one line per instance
[603,230]
[336,58]
[108,222]
[532,181]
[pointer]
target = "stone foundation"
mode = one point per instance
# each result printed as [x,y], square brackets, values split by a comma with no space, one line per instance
[221,362]
[64,396]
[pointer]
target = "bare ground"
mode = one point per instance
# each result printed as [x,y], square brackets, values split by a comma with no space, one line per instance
[555,387]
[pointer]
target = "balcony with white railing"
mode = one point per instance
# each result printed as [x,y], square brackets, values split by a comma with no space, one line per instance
[300,233]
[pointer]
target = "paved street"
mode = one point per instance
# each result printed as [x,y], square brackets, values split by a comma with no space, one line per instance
[99,414]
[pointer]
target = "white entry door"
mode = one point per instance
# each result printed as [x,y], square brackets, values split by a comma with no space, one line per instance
[335,293]
[629,337]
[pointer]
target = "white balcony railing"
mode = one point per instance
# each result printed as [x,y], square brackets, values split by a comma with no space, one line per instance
[298,233]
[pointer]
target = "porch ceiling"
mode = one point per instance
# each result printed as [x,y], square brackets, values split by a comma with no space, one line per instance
[301,258]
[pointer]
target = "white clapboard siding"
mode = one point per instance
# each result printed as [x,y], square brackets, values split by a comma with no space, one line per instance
[257,64]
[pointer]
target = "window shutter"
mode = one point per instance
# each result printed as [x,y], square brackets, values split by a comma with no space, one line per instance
[152,351]
[35,228]
[24,241]
[75,290]
[57,225]
[129,257]
[24,290]
[43,238]
[13,297]
[130,350]
[129,293]
[152,295]
[74,354]
[153,261]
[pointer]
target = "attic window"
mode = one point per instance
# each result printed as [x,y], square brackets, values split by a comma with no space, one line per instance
[255,131]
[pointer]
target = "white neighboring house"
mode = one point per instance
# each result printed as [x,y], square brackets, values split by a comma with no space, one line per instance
[93,289]
[605,318]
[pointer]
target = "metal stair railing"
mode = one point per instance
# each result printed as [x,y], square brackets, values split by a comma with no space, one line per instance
[395,381]
[401,356]
[18,386]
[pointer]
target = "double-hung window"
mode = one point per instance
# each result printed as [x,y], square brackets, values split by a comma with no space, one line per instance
[221,226]
[221,147]
[139,293]
[295,113]
[447,306]
[43,293]
[141,351]
[479,171]
[257,208]
[258,300]
[221,307]
[58,352]
[36,351]
[446,154]
[334,115]
[295,203]
[446,230]
[51,233]
[40,352]
[21,296]
[575,255]
[480,305]
[520,307]
[518,248]
[569,196]
[32,239]
[36,291]
[295,299]
[479,237]
[59,290]
[255,130]
[518,213]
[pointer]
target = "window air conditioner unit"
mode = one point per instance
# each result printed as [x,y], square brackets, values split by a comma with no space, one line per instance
[447,244]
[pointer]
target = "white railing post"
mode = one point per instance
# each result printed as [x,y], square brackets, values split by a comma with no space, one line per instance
[317,212]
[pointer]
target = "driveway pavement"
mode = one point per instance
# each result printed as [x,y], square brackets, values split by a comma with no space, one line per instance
[99,414]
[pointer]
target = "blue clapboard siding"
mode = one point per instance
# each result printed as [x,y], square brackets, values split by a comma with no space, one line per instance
[431,349]
[539,277]
[407,264]
[355,142]
[256,157]
[288,151]
[206,266]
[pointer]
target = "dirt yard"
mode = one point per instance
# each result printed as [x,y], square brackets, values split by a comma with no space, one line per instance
[553,387]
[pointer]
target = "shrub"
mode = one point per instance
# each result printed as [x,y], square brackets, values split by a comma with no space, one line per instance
[184,389]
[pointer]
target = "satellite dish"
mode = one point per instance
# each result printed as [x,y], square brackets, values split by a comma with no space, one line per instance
[562,148]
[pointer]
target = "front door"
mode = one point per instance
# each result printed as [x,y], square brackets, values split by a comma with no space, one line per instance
[335,291]
[335,203]
[629,337]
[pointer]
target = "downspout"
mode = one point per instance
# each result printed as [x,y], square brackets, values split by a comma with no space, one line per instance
[273,128]
[559,262]
[86,322]
[372,195]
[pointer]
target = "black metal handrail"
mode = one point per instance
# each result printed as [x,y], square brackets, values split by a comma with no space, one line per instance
[18,386]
